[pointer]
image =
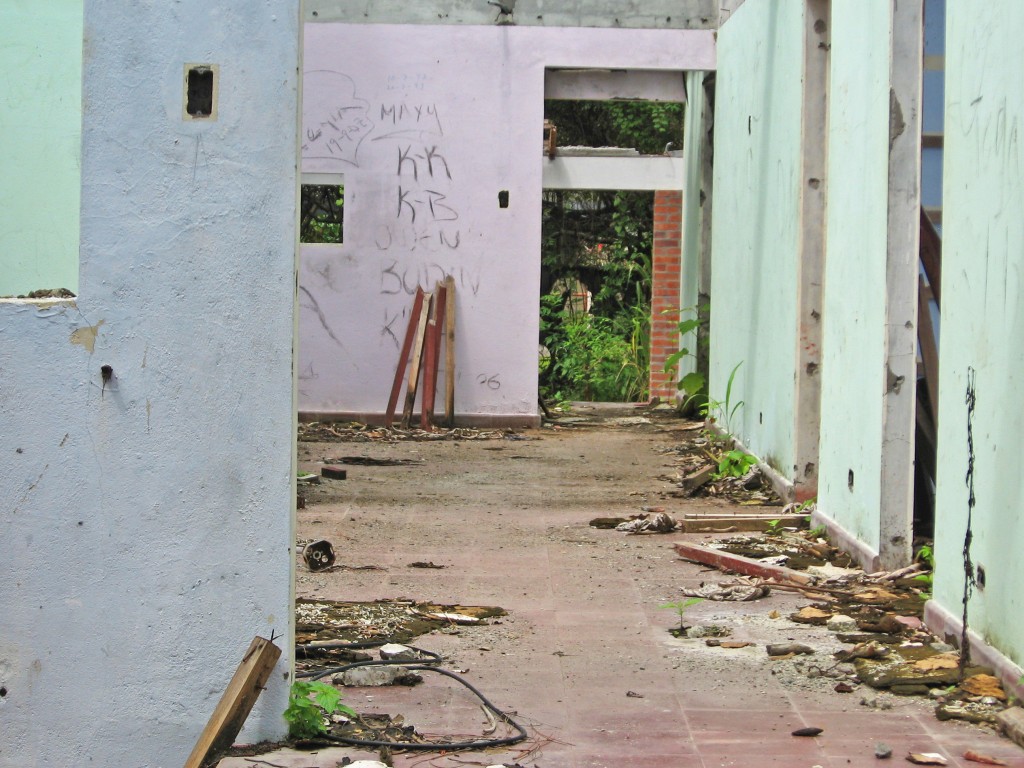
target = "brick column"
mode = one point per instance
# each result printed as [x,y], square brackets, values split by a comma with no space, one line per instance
[667,261]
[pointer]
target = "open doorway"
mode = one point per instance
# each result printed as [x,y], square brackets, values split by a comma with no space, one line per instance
[604,161]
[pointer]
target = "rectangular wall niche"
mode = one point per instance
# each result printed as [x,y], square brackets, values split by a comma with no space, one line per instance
[200,92]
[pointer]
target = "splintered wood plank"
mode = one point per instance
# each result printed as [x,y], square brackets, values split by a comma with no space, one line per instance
[931,256]
[417,356]
[449,351]
[237,702]
[434,328]
[929,348]
[396,388]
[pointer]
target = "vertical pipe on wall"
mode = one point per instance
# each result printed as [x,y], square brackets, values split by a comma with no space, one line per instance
[902,255]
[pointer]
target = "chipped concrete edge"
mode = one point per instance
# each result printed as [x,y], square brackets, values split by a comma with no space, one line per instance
[949,627]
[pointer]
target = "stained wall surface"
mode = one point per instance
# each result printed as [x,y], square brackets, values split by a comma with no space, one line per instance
[429,125]
[40,121]
[854,340]
[756,226]
[983,320]
[145,521]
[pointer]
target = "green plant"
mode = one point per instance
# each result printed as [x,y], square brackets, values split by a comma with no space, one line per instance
[734,463]
[724,411]
[680,606]
[693,384]
[926,555]
[817,532]
[773,526]
[305,715]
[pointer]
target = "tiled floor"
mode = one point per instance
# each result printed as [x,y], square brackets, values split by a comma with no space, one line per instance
[584,627]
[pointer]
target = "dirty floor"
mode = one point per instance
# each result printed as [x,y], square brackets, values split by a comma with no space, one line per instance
[584,658]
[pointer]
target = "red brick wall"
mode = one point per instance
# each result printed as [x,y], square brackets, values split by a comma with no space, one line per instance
[668,233]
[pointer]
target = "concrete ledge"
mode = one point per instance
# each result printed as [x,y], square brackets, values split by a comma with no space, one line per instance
[471,420]
[949,628]
[866,557]
[748,566]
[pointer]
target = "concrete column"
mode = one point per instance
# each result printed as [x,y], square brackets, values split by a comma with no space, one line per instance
[807,399]
[902,255]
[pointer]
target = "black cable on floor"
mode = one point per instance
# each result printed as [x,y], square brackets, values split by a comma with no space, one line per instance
[426,667]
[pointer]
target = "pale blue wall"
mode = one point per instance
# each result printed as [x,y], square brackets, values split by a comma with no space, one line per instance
[983,318]
[854,343]
[146,523]
[756,223]
[40,122]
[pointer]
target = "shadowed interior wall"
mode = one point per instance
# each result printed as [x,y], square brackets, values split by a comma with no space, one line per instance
[756,226]
[41,126]
[982,321]
[146,520]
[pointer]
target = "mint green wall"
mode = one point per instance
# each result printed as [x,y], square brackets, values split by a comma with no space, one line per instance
[854,338]
[40,121]
[983,318]
[756,223]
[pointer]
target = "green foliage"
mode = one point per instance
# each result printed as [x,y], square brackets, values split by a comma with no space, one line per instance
[773,526]
[305,715]
[734,463]
[594,358]
[817,532]
[693,384]
[321,213]
[680,606]
[723,412]
[926,555]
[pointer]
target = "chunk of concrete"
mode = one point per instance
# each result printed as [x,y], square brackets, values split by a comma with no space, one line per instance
[375,676]
[1012,722]
[396,652]
[841,623]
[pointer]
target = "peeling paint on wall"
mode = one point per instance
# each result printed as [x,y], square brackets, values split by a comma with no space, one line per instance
[86,337]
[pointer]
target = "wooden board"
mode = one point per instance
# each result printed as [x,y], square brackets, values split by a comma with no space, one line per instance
[396,387]
[433,349]
[417,356]
[449,351]
[237,702]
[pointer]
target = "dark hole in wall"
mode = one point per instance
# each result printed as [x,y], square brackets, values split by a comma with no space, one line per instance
[199,98]
[503,199]
[849,479]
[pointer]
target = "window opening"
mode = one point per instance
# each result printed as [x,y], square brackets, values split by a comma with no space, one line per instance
[323,213]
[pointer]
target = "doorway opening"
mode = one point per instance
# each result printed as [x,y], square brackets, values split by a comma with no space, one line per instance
[604,162]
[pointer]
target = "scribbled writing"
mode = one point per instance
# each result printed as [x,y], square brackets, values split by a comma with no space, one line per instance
[492,382]
[335,120]
[395,279]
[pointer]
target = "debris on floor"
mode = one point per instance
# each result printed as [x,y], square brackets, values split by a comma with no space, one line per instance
[739,589]
[707,466]
[659,522]
[355,432]
[397,621]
